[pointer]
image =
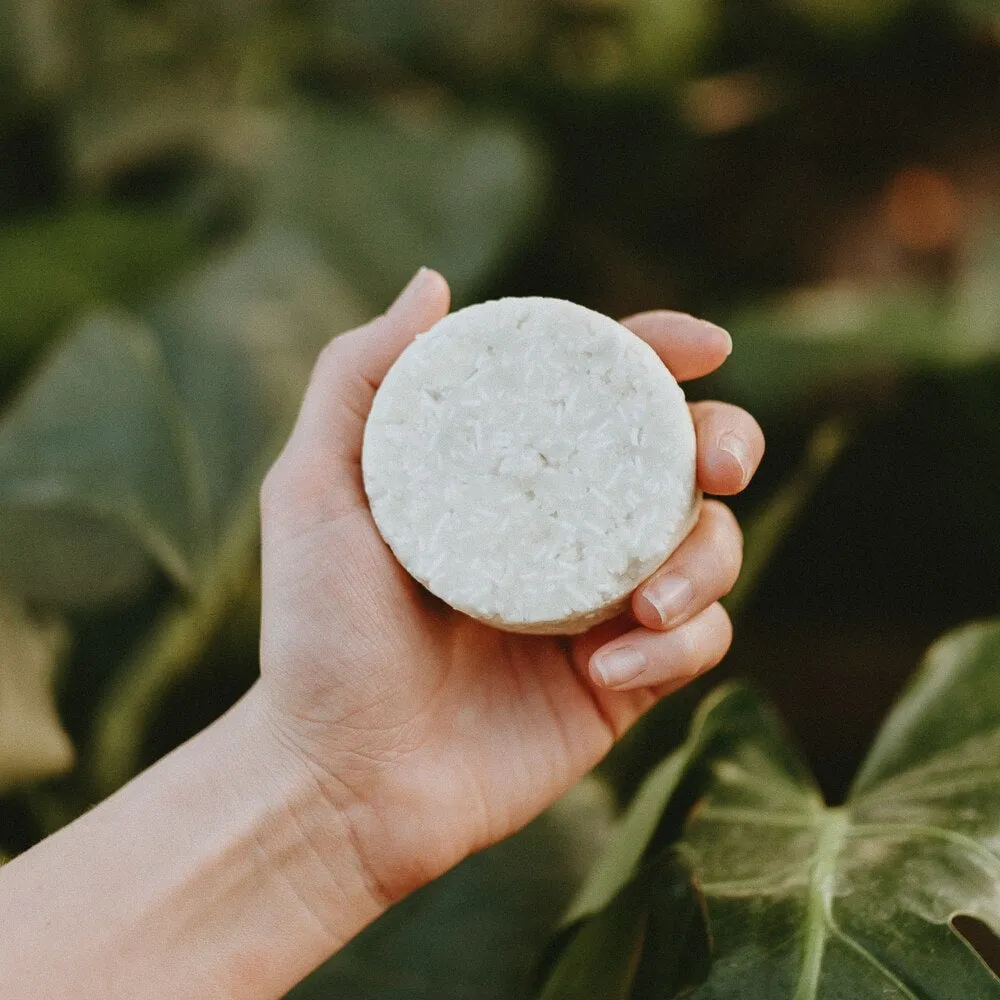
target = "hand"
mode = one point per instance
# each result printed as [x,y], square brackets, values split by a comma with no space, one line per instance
[432,734]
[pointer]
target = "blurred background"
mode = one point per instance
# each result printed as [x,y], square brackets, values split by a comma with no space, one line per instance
[195,196]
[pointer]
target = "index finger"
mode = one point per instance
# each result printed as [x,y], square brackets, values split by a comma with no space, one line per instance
[688,346]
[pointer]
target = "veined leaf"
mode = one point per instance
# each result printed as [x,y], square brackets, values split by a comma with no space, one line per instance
[630,900]
[806,901]
[238,341]
[238,338]
[33,744]
[136,443]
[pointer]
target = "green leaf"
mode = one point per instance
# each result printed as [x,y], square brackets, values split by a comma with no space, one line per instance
[819,338]
[388,193]
[629,898]
[649,940]
[54,267]
[720,712]
[136,444]
[477,932]
[238,340]
[33,744]
[808,901]
[97,472]
[239,337]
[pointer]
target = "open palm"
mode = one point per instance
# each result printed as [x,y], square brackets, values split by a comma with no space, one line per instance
[434,734]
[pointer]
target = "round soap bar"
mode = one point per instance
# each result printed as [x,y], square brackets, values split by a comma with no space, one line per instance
[530,462]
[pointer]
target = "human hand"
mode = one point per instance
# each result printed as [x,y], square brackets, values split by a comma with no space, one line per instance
[434,735]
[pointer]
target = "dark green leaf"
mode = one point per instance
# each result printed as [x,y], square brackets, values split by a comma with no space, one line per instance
[808,901]
[813,339]
[135,445]
[649,941]
[601,960]
[724,710]
[238,340]
[239,337]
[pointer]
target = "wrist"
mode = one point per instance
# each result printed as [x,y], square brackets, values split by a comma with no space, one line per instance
[304,825]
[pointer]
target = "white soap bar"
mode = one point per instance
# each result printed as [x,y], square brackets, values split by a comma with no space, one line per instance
[530,462]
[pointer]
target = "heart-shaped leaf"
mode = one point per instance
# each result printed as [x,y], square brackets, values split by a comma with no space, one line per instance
[32,742]
[808,901]
[803,900]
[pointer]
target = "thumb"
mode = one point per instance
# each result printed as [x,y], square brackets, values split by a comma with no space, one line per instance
[351,367]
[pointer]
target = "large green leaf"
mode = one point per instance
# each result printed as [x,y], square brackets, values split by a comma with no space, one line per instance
[386,193]
[98,476]
[238,340]
[239,337]
[805,901]
[137,443]
[477,932]
[32,742]
[808,901]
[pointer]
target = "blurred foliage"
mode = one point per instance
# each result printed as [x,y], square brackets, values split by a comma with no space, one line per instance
[195,196]
[32,742]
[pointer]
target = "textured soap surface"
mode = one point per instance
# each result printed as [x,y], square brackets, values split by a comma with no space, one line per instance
[530,462]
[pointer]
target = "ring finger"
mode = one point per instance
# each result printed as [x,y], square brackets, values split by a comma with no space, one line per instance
[703,569]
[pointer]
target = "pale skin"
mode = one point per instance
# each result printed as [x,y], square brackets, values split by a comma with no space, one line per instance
[388,736]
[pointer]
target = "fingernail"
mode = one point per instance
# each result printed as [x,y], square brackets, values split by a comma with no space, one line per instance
[617,666]
[669,596]
[699,327]
[721,333]
[729,339]
[736,449]
[413,290]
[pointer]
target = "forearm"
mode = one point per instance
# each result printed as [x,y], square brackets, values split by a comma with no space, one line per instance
[221,872]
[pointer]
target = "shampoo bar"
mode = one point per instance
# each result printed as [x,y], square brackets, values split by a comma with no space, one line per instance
[530,462]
